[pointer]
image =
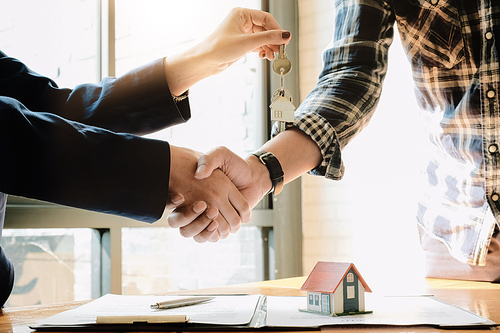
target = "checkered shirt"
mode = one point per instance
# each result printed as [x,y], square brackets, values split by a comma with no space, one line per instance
[452,47]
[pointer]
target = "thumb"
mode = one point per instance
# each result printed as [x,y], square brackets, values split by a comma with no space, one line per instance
[207,163]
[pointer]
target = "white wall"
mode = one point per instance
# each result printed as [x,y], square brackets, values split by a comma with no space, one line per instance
[369,216]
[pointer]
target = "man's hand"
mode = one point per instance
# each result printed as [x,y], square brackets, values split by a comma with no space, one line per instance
[215,195]
[296,152]
[205,227]
[249,176]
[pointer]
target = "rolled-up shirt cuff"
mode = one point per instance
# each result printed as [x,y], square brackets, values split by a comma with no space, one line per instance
[324,135]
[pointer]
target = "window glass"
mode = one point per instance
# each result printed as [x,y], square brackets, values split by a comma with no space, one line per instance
[226,110]
[157,260]
[56,38]
[52,265]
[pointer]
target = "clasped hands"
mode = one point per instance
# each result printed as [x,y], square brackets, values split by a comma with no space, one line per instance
[217,190]
[213,194]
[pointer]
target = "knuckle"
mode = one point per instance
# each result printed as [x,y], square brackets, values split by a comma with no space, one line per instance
[222,149]
[246,208]
[236,10]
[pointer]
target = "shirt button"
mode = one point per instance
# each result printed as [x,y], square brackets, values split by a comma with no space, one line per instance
[434,2]
[489,35]
[490,94]
[495,197]
[493,148]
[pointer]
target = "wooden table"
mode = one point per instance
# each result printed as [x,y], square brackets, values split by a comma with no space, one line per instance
[478,297]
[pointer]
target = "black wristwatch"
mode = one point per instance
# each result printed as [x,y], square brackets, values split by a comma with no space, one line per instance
[275,172]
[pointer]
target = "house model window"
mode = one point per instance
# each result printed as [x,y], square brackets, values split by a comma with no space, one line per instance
[339,286]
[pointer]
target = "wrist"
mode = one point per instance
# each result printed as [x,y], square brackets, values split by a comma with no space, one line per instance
[183,164]
[275,172]
[183,70]
[260,174]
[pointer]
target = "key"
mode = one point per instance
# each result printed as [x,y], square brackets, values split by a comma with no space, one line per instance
[282,65]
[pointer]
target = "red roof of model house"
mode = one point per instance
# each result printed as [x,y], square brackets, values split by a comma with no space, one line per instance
[326,277]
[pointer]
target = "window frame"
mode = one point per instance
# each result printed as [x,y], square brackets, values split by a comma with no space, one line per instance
[280,217]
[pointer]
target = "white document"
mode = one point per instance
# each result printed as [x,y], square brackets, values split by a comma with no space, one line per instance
[410,310]
[257,311]
[222,310]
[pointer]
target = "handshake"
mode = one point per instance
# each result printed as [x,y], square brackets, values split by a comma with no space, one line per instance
[212,195]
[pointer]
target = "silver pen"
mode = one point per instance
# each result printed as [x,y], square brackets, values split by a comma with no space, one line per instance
[175,303]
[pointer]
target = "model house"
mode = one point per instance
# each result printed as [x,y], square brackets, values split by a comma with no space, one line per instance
[335,288]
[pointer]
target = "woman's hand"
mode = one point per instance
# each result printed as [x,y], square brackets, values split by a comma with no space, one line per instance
[242,31]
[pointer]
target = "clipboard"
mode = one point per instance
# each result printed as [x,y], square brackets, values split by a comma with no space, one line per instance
[259,312]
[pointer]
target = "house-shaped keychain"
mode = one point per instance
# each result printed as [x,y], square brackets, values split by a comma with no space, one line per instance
[335,289]
[282,109]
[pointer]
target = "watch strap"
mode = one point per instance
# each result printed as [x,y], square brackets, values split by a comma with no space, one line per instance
[275,171]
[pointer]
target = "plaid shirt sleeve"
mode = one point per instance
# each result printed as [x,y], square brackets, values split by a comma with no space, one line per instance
[350,84]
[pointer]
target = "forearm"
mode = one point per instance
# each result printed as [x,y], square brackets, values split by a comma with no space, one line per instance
[49,158]
[137,102]
[296,152]
[184,70]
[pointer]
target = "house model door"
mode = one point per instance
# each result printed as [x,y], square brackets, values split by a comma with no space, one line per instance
[351,292]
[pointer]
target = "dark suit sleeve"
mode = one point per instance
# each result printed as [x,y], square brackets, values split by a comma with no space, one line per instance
[74,147]
[138,102]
